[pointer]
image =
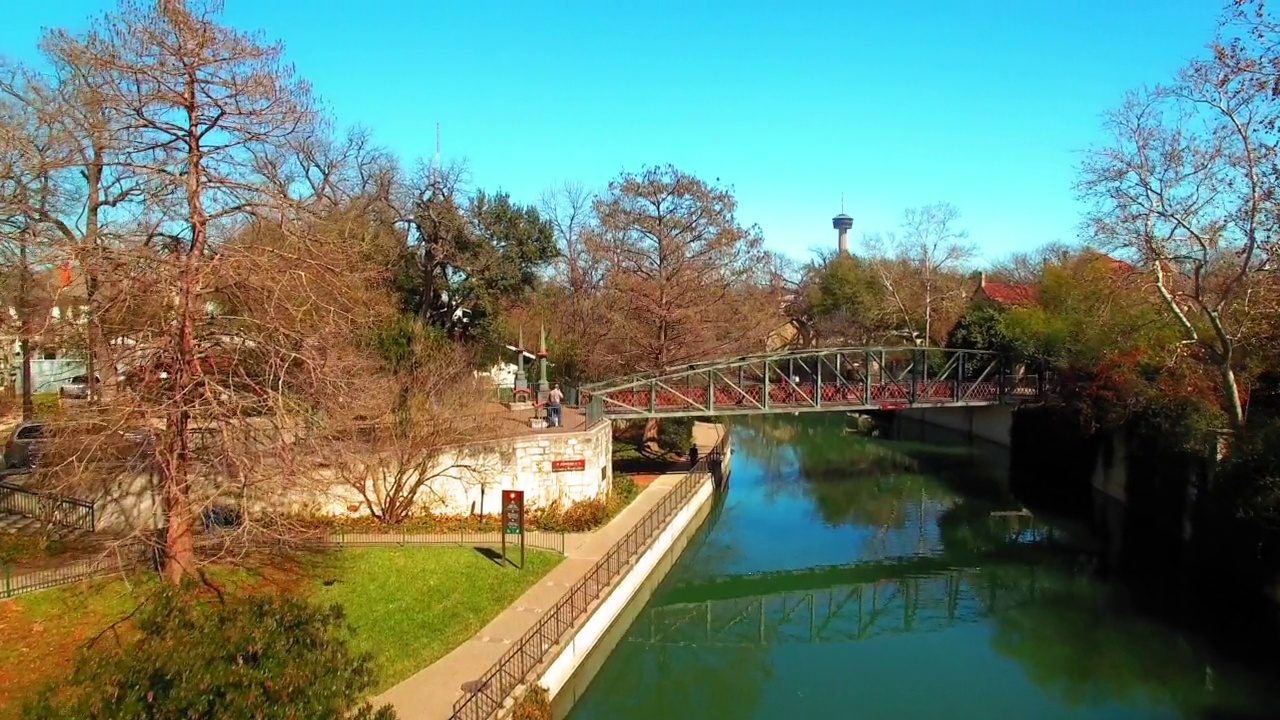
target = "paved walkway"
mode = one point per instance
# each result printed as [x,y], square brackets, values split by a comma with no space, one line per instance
[431,692]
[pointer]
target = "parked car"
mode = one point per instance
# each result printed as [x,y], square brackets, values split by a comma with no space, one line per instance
[21,450]
[78,387]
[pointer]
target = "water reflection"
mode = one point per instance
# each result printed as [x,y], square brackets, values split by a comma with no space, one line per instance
[901,579]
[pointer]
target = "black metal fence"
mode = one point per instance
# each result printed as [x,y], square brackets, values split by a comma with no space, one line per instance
[536,539]
[19,582]
[52,509]
[487,694]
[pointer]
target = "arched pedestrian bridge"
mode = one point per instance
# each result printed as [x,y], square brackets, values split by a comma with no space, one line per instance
[820,379]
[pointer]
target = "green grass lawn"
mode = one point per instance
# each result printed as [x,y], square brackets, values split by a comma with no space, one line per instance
[411,606]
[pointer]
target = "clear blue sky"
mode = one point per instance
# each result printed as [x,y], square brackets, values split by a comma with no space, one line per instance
[983,103]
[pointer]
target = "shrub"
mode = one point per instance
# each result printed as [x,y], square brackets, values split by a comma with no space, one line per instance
[675,434]
[624,490]
[581,516]
[257,657]
[46,404]
[533,705]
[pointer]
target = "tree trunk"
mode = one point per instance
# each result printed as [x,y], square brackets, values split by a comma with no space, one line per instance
[28,405]
[93,178]
[24,323]
[179,550]
[651,435]
[1231,398]
[184,367]
[179,539]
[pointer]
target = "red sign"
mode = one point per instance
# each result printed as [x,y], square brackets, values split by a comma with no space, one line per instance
[892,406]
[513,512]
[572,465]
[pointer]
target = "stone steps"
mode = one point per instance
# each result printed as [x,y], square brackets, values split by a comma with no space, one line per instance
[22,525]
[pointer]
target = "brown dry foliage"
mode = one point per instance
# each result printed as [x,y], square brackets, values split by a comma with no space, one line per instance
[680,278]
[394,454]
[1184,188]
[236,293]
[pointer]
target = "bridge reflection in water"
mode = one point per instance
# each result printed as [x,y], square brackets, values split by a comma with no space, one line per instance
[834,604]
[846,613]
[871,578]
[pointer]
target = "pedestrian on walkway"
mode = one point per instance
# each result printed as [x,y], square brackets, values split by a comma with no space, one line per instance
[554,398]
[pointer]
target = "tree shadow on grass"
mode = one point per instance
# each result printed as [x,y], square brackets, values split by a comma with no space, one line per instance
[490,554]
[273,570]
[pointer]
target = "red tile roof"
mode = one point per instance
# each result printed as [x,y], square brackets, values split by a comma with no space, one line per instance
[1008,293]
[1119,265]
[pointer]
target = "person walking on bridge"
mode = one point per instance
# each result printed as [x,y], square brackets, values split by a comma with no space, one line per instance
[554,398]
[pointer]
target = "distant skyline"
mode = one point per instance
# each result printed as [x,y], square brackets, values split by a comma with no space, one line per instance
[894,105]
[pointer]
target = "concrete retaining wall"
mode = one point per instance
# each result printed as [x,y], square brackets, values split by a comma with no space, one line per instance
[992,423]
[575,652]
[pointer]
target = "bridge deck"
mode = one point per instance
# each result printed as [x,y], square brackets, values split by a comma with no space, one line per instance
[815,379]
[732,399]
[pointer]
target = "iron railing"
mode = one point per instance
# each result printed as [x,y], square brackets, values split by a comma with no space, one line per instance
[814,380]
[486,695]
[135,554]
[52,509]
[505,394]
[19,582]
[536,539]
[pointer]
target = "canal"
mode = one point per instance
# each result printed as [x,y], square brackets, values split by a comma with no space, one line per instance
[847,576]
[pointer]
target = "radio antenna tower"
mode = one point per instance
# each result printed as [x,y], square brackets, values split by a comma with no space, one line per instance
[437,161]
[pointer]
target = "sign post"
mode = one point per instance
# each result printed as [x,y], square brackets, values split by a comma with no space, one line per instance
[513,520]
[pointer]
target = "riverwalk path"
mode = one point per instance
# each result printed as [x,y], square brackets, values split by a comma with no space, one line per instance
[430,693]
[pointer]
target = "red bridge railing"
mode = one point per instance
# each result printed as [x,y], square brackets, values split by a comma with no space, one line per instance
[817,379]
[658,398]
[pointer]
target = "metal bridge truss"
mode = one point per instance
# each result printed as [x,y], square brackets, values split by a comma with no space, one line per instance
[848,613]
[859,378]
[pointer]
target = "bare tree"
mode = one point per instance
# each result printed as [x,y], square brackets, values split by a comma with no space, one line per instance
[921,269]
[87,182]
[1248,45]
[28,161]
[572,304]
[238,300]
[1026,267]
[1185,189]
[396,460]
[684,280]
[568,207]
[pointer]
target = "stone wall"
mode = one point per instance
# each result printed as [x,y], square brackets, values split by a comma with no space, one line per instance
[466,479]
[549,467]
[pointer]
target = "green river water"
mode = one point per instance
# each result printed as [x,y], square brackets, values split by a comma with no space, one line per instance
[847,577]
